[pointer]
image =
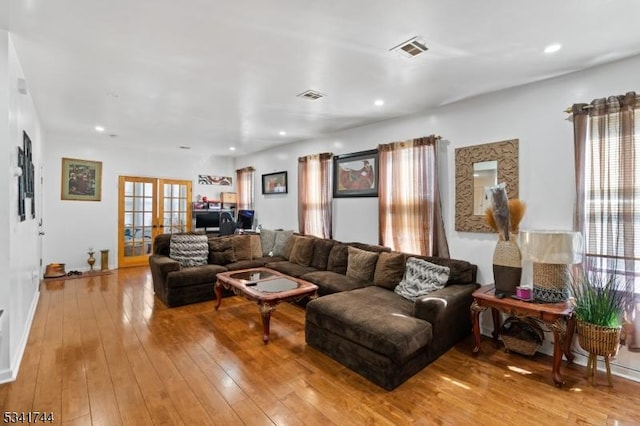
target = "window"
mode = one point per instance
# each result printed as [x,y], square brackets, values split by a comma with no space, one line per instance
[245,188]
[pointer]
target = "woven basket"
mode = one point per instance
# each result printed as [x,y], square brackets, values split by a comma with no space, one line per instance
[597,339]
[522,335]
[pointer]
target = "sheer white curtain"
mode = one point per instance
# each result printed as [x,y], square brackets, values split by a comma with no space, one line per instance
[245,185]
[409,199]
[315,195]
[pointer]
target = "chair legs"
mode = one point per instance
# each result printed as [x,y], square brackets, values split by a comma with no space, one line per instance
[592,368]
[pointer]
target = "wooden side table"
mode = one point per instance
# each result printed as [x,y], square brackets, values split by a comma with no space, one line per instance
[558,317]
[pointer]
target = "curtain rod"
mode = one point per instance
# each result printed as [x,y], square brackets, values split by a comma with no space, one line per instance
[569,110]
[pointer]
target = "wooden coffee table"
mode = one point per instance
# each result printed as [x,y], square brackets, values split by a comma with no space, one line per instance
[265,286]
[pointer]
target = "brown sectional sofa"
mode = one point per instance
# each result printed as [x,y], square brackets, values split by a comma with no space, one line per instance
[359,320]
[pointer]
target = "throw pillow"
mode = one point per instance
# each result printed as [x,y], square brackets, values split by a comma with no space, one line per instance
[421,278]
[302,251]
[241,247]
[267,239]
[282,237]
[189,249]
[256,246]
[321,251]
[338,258]
[389,270]
[221,251]
[361,264]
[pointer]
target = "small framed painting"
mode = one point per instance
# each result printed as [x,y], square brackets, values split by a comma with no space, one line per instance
[274,183]
[356,174]
[81,180]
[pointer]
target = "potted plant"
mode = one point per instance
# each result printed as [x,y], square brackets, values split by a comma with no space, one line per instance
[599,301]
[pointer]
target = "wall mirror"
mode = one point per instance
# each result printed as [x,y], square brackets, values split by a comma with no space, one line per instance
[477,168]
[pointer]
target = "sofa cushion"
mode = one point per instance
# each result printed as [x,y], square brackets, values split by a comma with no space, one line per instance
[221,251]
[373,317]
[361,264]
[191,276]
[369,247]
[321,250]
[256,246]
[161,244]
[242,247]
[421,278]
[280,244]
[189,249]
[389,269]
[302,251]
[329,282]
[289,268]
[338,258]
[267,239]
[244,264]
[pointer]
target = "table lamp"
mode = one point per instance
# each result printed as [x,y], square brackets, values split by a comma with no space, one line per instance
[552,254]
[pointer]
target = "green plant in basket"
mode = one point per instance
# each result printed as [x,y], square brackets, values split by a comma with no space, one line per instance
[598,298]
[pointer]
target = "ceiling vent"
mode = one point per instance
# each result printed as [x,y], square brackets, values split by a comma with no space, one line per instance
[411,48]
[311,95]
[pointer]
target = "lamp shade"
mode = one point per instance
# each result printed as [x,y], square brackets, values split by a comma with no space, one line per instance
[557,247]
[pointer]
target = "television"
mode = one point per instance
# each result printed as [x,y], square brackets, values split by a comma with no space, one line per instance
[211,219]
[245,219]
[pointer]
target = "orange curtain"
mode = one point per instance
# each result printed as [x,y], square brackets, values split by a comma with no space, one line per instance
[314,195]
[409,199]
[244,179]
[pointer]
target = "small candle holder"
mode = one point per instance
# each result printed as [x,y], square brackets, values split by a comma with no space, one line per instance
[91,260]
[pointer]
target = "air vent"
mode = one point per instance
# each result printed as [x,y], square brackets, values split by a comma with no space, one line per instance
[311,95]
[411,48]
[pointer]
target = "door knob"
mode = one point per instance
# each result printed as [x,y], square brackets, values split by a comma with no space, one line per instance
[40,232]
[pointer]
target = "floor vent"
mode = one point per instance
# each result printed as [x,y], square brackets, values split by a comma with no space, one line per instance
[411,48]
[311,95]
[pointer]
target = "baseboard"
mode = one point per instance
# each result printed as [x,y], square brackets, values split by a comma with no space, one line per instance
[10,374]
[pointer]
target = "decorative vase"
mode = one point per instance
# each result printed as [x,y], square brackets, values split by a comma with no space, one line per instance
[91,260]
[507,267]
[104,260]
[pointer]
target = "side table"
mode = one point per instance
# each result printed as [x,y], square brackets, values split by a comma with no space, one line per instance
[558,317]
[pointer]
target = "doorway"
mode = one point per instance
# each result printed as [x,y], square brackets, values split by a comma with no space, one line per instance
[148,207]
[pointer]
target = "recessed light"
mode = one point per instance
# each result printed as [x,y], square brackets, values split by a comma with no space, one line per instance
[378,102]
[232,148]
[552,48]
[99,129]
[283,133]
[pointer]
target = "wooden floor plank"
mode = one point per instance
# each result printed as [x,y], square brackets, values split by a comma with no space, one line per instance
[103,350]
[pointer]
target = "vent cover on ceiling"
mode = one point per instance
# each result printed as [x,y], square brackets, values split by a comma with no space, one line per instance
[311,95]
[410,48]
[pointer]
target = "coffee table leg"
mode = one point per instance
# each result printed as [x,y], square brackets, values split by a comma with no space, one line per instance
[218,290]
[265,312]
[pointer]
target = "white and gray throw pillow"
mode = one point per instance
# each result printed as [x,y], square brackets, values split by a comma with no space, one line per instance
[189,249]
[421,278]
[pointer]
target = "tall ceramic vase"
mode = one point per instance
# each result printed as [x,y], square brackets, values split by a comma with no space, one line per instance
[507,266]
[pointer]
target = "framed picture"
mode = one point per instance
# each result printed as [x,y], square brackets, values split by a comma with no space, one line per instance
[21,188]
[356,174]
[81,180]
[274,183]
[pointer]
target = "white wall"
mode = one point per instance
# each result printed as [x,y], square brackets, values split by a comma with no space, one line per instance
[19,291]
[72,227]
[532,113]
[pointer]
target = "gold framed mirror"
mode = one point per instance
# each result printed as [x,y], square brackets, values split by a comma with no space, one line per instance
[477,168]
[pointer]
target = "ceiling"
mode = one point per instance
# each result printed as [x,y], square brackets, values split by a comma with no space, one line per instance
[213,74]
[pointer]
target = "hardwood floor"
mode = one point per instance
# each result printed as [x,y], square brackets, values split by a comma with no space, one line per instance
[103,351]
